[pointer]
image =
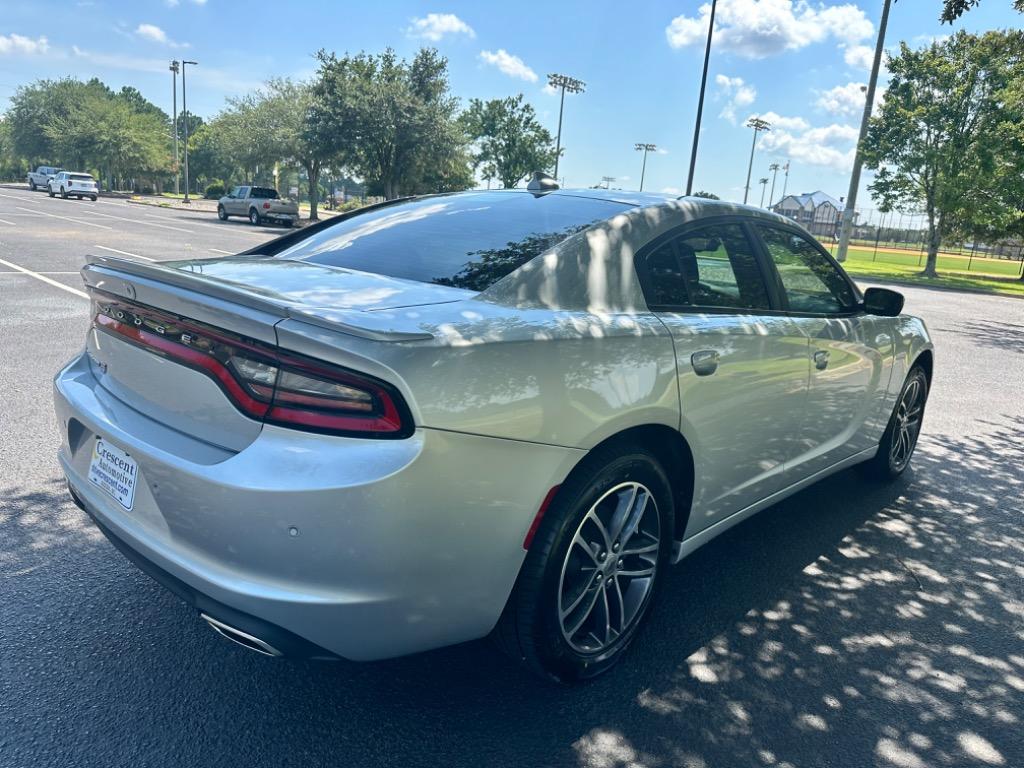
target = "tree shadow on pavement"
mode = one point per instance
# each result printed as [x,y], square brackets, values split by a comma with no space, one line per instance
[850,625]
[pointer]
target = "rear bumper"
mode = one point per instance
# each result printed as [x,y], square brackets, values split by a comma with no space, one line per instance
[365,549]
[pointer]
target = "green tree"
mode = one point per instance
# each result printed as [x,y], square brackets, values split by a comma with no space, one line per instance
[284,115]
[954,9]
[509,141]
[706,195]
[938,141]
[390,121]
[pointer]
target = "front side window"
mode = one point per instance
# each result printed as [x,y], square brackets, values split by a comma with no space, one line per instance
[711,267]
[811,281]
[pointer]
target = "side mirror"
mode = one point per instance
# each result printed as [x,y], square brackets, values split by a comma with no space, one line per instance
[883,302]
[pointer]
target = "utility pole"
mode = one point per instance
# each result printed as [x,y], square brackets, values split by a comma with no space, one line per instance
[645,148]
[607,181]
[184,110]
[572,85]
[858,160]
[174,83]
[763,181]
[758,125]
[774,168]
[700,100]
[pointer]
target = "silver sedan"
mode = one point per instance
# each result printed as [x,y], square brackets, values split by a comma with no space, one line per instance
[486,413]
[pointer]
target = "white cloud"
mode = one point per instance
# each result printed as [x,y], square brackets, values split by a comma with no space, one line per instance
[511,65]
[859,56]
[435,26]
[550,90]
[19,44]
[671,190]
[755,29]
[154,34]
[831,146]
[736,93]
[843,99]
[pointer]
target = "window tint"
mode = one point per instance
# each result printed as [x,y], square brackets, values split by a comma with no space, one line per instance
[264,193]
[80,176]
[469,240]
[811,281]
[709,267]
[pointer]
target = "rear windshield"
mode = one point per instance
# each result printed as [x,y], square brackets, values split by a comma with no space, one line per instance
[80,177]
[469,240]
[264,193]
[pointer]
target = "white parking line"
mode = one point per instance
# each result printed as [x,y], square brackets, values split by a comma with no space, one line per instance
[67,218]
[22,198]
[218,250]
[45,279]
[144,223]
[5,221]
[124,253]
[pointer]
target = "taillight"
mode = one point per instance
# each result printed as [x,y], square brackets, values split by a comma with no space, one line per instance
[266,206]
[263,382]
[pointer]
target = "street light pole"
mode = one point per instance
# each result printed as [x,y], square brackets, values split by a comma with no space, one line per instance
[572,85]
[758,125]
[645,148]
[700,100]
[184,110]
[858,160]
[174,82]
[774,168]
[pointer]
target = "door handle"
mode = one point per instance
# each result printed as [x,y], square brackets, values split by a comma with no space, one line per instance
[821,359]
[704,362]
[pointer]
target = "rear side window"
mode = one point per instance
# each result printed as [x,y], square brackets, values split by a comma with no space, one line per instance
[467,240]
[264,193]
[712,267]
[811,281]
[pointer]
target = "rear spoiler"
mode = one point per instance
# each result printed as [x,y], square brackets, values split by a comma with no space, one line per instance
[364,325]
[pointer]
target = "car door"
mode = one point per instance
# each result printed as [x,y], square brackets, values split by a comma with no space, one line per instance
[742,363]
[850,351]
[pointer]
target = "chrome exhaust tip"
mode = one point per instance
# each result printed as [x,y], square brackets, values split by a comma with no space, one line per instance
[242,638]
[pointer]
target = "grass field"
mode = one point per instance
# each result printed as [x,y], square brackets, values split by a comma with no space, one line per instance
[952,272]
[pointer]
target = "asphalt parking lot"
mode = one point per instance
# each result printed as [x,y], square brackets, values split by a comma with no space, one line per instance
[851,625]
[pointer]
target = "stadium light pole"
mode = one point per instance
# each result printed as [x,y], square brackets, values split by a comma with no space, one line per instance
[700,99]
[763,181]
[174,100]
[184,109]
[785,180]
[758,125]
[645,148]
[607,181]
[572,85]
[858,160]
[774,168]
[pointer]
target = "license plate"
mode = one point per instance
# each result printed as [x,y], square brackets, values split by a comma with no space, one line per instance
[114,472]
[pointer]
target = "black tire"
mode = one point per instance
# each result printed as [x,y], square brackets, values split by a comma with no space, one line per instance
[221,213]
[891,460]
[63,194]
[254,217]
[32,184]
[49,191]
[93,198]
[530,629]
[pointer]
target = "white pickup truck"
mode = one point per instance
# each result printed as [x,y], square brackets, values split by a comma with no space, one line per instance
[259,204]
[41,176]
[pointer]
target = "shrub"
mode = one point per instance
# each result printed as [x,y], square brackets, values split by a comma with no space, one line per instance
[214,190]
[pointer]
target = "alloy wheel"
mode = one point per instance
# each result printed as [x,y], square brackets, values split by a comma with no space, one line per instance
[609,569]
[907,426]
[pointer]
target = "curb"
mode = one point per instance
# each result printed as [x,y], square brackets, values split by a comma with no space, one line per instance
[946,288]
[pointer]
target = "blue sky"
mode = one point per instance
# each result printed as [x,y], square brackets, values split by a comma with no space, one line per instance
[798,64]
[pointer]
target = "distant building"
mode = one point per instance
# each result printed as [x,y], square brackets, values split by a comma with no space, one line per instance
[818,212]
